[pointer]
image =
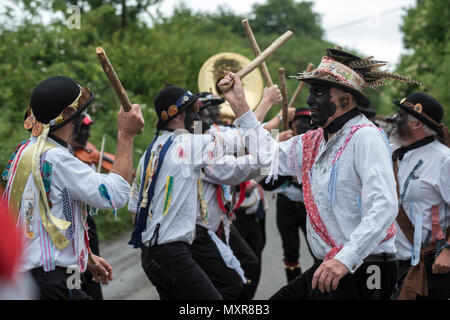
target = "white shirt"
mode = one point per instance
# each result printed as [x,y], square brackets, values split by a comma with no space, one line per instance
[429,186]
[81,183]
[184,160]
[365,205]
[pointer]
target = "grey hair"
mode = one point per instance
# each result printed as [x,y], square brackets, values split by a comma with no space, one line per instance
[426,128]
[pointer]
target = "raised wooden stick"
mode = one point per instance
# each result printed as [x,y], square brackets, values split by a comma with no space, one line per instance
[259,59]
[113,79]
[257,52]
[299,88]
[282,77]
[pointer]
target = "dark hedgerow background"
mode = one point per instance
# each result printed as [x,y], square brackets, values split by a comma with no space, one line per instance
[149,51]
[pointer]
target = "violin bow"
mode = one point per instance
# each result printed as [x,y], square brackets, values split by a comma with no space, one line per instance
[101,154]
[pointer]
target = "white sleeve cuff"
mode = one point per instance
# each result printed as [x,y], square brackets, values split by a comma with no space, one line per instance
[349,259]
[121,192]
[247,121]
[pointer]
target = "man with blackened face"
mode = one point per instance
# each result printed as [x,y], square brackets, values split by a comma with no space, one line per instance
[348,184]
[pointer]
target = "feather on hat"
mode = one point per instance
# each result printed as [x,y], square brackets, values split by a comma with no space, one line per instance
[351,73]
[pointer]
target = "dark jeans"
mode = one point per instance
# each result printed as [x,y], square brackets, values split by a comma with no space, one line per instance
[204,251]
[249,263]
[438,284]
[53,285]
[175,274]
[92,288]
[291,216]
[350,287]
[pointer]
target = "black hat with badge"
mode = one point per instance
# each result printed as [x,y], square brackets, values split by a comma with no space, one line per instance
[425,108]
[55,102]
[207,99]
[171,101]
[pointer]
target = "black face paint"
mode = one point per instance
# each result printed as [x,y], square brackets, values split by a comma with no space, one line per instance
[77,124]
[83,135]
[214,113]
[319,101]
[188,118]
[401,121]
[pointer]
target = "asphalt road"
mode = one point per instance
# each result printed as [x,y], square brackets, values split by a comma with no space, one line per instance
[131,283]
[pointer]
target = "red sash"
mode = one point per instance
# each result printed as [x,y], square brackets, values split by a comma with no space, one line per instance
[311,142]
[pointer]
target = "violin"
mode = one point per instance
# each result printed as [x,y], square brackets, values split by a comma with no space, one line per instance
[90,155]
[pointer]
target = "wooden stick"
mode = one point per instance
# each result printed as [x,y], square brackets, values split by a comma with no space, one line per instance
[257,52]
[282,77]
[259,59]
[113,79]
[299,88]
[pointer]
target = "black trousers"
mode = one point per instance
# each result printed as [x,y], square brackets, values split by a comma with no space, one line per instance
[204,251]
[175,274]
[53,285]
[251,227]
[351,287]
[291,216]
[438,284]
[92,288]
[249,263]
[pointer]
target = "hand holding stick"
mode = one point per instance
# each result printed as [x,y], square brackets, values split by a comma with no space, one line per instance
[282,77]
[299,88]
[113,79]
[257,52]
[259,59]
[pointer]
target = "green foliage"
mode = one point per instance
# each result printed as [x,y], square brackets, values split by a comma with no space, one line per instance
[277,16]
[426,30]
[171,51]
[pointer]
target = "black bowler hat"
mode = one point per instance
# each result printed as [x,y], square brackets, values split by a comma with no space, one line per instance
[56,101]
[207,99]
[425,108]
[170,101]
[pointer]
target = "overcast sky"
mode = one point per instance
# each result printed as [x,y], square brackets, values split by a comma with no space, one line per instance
[370,26]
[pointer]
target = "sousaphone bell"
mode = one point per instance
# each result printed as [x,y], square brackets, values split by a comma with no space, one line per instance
[217,67]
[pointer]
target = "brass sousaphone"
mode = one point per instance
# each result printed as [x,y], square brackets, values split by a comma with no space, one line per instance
[217,67]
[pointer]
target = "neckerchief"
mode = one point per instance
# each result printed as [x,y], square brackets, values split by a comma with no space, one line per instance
[339,122]
[400,152]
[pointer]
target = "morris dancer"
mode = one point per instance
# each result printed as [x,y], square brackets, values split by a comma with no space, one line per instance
[346,172]
[49,188]
[220,210]
[171,195]
[423,169]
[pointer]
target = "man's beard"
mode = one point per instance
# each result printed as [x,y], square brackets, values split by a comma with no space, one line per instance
[396,139]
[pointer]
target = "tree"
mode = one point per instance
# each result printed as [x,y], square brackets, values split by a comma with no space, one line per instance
[278,16]
[426,29]
[129,10]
